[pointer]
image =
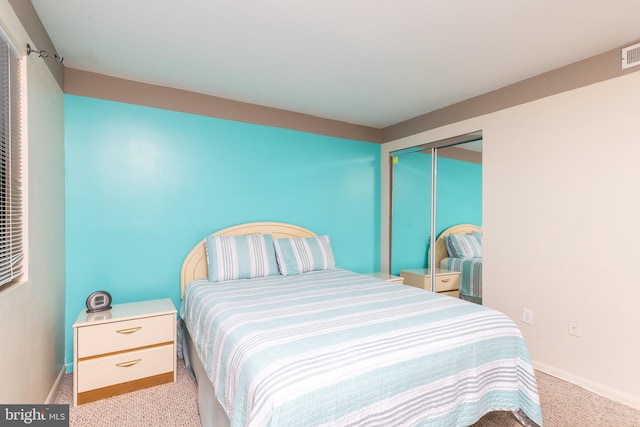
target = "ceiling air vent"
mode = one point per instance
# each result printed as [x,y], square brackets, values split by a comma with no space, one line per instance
[631,56]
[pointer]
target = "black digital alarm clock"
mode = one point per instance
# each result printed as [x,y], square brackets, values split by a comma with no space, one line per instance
[98,301]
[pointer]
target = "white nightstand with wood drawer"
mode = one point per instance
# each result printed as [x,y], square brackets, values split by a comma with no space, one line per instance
[447,281]
[129,347]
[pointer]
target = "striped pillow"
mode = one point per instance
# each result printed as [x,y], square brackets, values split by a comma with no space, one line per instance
[240,257]
[301,254]
[478,236]
[464,246]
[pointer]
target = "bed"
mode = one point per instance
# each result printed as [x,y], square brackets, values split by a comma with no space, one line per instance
[463,257]
[333,347]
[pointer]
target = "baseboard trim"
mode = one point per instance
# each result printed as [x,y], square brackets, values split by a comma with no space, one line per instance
[593,387]
[56,385]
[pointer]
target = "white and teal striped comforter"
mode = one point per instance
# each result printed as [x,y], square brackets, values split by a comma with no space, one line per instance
[336,348]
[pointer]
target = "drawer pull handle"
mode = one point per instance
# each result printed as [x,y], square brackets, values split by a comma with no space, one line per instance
[129,331]
[128,364]
[445,280]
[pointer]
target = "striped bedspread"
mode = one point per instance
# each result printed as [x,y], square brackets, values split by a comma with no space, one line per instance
[336,348]
[471,275]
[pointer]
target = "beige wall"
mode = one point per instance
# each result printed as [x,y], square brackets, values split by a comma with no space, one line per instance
[560,205]
[32,314]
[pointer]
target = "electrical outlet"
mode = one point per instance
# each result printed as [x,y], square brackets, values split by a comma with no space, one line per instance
[574,328]
[527,316]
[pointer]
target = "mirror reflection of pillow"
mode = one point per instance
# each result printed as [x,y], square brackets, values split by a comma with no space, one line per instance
[464,246]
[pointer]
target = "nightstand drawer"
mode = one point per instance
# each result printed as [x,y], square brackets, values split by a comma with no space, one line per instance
[124,367]
[447,282]
[125,335]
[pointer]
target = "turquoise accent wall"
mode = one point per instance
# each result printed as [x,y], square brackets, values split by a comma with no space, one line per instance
[459,200]
[144,185]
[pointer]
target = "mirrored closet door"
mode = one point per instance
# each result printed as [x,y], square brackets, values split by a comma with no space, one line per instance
[434,187]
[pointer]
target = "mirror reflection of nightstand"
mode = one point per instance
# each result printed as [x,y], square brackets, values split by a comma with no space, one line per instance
[447,281]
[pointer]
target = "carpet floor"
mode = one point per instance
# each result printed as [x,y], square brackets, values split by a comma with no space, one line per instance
[175,404]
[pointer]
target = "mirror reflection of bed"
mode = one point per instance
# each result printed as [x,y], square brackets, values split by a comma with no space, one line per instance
[458,203]
[458,257]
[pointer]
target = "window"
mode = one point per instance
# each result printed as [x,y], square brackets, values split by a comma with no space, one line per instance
[11,230]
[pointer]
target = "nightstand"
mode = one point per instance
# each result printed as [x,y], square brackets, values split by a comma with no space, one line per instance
[447,282]
[129,347]
[387,277]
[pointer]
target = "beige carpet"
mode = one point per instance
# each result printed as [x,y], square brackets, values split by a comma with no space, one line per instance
[563,405]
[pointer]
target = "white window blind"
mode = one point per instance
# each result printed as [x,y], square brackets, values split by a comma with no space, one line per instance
[11,230]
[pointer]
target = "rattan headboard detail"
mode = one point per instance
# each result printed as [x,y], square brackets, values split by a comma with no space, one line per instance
[195,264]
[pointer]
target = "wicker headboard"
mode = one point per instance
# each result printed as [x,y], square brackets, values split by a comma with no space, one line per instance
[195,264]
[441,248]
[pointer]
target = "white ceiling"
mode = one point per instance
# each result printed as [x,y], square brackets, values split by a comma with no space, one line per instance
[368,62]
